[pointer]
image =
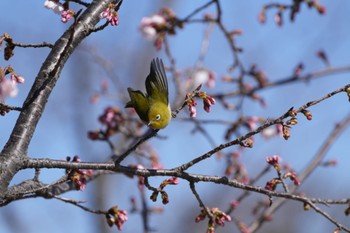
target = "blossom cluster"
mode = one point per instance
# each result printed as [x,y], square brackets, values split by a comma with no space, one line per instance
[164,195]
[218,218]
[116,217]
[235,168]
[111,14]
[112,118]
[200,75]
[155,27]
[275,161]
[208,101]
[60,9]
[77,176]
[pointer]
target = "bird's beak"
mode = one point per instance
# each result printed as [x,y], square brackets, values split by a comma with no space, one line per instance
[149,123]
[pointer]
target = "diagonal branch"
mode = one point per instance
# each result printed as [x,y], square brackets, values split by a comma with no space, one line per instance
[306,172]
[34,105]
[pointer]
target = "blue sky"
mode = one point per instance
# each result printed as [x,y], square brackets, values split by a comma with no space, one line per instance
[276,50]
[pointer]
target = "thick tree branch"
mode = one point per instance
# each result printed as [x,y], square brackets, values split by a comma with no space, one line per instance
[33,107]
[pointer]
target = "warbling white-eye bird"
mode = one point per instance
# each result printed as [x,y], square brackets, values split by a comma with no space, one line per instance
[153,106]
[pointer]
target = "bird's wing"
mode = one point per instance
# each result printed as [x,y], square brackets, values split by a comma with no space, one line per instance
[157,83]
[139,102]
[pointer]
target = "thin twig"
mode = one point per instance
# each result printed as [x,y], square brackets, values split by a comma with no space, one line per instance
[315,161]
[77,203]
[149,134]
[187,18]
[42,45]
[239,140]
[201,204]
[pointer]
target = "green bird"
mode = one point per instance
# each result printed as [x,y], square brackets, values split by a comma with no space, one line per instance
[153,106]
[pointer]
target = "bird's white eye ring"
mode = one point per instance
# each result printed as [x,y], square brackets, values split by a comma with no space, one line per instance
[157,117]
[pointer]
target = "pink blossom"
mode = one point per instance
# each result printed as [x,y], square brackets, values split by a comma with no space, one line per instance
[112,118]
[203,75]
[273,160]
[150,26]
[193,111]
[149,33]
[272,184]
[272,131]
[192,107]
[153,20]
[201,216]
[211,80]
[79,177]
[121,217]
[8,88]
[252,122]
[219,218]
[79,180]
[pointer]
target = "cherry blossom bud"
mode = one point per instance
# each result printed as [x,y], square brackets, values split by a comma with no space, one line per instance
[272,184]
[278,19]
[293,177]
[201,216]
[110,220]
[191,103]
[320,8]
[262,16]
[67,15]
[249,142]
[322,55]
[307,114]
[286,132]
[154,196]
[292,112]
[117,217]
[298,69]
[173,180]
[165,198]
[306,206]
[274,161]
[208,101]
[17,78]
[292,121]
[111,15]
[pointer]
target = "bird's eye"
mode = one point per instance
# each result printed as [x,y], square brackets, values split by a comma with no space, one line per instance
[158,117]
